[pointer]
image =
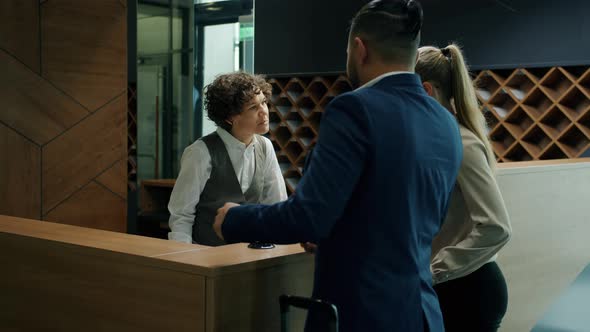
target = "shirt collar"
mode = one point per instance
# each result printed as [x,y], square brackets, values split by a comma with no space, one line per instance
[380,77]
[230,141]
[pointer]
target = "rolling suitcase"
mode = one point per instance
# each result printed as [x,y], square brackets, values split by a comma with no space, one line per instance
[321,308]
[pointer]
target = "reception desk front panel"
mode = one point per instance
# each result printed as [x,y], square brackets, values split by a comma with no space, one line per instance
[65,278]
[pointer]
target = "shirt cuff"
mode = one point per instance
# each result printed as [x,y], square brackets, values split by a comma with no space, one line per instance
[180,237]
[440,277]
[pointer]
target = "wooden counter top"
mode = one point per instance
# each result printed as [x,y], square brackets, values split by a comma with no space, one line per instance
[190,258]
[533,163]
[238,257]
[88,237]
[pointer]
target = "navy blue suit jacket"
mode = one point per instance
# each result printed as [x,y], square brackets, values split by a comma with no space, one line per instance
[373,197]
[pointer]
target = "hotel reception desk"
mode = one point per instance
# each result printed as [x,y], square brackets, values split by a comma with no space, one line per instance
[65,278]
[62,278]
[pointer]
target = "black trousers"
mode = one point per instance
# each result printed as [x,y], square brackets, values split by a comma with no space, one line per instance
[476,302]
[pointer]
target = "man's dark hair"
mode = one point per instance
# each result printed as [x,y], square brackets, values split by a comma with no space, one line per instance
[228,93]
[391,28]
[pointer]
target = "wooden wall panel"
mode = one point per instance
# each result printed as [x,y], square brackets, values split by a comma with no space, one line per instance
[111,178]
[84,48]
[92,206]
[31,105]
[19,175]
[19,31]
[84,152]
[63,84]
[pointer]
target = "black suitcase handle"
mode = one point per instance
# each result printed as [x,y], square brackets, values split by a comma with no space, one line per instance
[325,309]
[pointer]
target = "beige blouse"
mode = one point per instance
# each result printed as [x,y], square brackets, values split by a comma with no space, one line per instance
[477,225]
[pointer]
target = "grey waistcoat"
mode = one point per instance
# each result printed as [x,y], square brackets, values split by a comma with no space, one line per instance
[223,186]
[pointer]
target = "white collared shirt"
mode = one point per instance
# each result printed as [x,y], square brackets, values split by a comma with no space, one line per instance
[195,170]
[380,77]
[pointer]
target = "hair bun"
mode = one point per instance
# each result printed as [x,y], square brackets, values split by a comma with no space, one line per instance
[415,16]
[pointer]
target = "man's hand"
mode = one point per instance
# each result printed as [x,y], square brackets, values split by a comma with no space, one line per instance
[309,247]
[220,217]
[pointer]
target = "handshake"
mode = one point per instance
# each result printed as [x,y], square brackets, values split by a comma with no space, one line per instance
[309,247]
[220,217]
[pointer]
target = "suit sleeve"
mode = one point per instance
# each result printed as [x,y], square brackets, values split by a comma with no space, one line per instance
[322,194]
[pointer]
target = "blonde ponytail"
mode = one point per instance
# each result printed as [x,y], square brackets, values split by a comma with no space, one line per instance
[448,69]
[465,101]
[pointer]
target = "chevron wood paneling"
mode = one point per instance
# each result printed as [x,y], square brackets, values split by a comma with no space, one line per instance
[19,30]
[84,49]
[32,106]
[84,152]
[63,111]
[19,175]
[92,206]
[111,178]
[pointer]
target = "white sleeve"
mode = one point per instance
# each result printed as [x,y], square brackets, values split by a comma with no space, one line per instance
[195,170]
[274,189]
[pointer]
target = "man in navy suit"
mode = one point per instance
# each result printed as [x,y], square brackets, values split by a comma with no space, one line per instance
[377,186]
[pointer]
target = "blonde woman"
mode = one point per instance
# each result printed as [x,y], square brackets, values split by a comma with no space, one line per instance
[471,287]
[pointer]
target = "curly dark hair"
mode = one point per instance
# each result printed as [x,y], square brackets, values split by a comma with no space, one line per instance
[228,93]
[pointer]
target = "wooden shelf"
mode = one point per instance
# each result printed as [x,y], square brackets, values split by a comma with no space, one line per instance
[584,123]
[574,103]
[284,163]
[555,84]
[520,84]
[306,136]
[553,152]
[517,153]
[502,103]
[306,105]
[491,119]
[341,85]
[573,141]
[294,121]
[537,74]
[532,113]
[314,120]
[293,150]
[537,103]
[536,141]
[574,72]
[282,134]
[555,122]
[584,83]
[502,140]
[501,75]
[557,103]
[294,90]
[282,105]
[486,85]
[318,89]
[518,122]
